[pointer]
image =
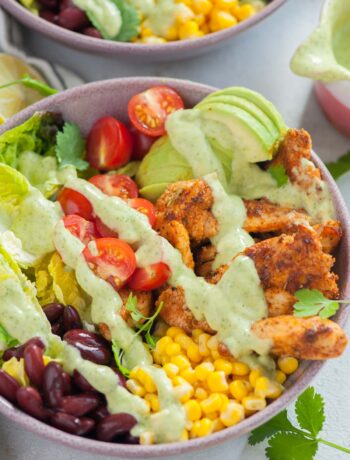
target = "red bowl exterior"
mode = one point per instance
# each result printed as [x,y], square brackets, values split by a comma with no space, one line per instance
[110,97]
[143,52]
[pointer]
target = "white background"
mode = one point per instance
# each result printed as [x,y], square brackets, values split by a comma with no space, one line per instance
[259,59]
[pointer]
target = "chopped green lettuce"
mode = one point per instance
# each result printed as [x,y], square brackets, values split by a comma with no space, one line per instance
[13,187]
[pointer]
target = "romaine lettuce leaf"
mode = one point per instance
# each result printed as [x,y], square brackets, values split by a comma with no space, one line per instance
[13,187]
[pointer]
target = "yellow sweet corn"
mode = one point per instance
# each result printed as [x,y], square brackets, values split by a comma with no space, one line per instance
[232,414]
[217,381]
[193,410]
[288,365]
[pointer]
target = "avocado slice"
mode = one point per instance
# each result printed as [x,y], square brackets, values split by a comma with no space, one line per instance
[246,105]
[260,101]
[250,138]
[153,192]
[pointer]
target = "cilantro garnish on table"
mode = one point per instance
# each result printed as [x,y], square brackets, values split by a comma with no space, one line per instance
[287,441]
[312,302]
[339,167]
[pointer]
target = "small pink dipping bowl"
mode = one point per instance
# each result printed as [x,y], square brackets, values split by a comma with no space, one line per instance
[85,104]
[145,52]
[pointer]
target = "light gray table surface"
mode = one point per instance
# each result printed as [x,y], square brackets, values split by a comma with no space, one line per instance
[259,59]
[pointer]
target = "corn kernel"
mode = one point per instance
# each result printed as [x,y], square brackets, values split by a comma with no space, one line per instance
[205,28]
[135,388]
[193,410]
[202,6]
[202,427]
[203,370]
[200,393]
[213,415]
[164,360]
[218,425]
[145,379]
[157,357]
[213,343]
[146,32]
[153,401]
[288,365]
[226,5]
[183,340]
[173,331]
[154,40]
[172,33]
[253,403]
[163,343]
[239,368]
[189,375]
[171,370]
[183,390]
[173,349]
[196,333]
[238,389]
[217,381]
[212,403]
[223,365]
[254,375]
[147,438]
[193,353]
[245,11]
[215,354]
[181,362]
[200,19]
[184,436]
[280,377]
[188,425]
[221,20]
[232,414]
[202,344]
[224,400]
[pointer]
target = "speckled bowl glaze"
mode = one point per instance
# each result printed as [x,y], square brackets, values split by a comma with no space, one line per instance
[163,52]
[84,105]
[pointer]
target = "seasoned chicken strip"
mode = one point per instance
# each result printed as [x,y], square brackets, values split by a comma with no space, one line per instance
[188,202]
[305,338]
[330,234]
[177,235]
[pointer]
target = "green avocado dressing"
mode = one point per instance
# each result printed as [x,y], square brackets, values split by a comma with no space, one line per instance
[104,14]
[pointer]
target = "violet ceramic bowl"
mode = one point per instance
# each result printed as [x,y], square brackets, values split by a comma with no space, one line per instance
[163,52]
[84,105]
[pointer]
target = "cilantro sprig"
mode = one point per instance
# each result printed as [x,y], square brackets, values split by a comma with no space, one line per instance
[289,442]
[29,82]
[339,167]
[312,302]
[70,147]
[143,325]
[279,174]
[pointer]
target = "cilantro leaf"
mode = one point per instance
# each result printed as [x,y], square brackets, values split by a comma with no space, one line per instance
[309,410]
[118,358]
[130,21]
[339,167]
[70,147]
[313,302]
[278,423]
[131,306]
[279,174]
[291,446]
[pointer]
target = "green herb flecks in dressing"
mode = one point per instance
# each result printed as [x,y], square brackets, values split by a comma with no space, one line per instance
[325,55]
[230,213]
[104,14]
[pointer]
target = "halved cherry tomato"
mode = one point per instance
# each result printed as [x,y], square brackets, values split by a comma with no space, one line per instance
[73,202]
[111,259]
[149,278]
[145,207]
[109,144]
[116,185]
[103,230]
[81,228]
[149,110]
[141,143]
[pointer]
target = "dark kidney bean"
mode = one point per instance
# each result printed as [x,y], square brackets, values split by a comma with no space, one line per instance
[73,18]
[53,384]
[48,16]
[49,4]
[100,413]
[30,401]
[8,386]
[81,382]
[114,425]
[34,364]
[91,346]
[122,379]
[71,319]
[130,439]
[66,4]
[92,32]
[79,405]
[57,327]
[17,352]
[53,311]
[72,424]
[67,384]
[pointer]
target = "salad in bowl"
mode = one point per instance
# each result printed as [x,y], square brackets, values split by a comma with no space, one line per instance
[163,273]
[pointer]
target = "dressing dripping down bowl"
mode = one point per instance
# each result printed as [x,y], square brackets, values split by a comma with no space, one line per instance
[142,52]
[111,97]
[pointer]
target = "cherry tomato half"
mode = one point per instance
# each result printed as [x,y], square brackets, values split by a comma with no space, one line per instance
[80,227]
[112,260]
[73,202]
[103,230]
[116,185]
[145,207]
[149,110]
[141,143]
[109,144]
[149,278]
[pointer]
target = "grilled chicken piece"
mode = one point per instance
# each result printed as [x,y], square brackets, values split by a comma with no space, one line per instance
[305,338]
[177,235]
[144,305]
[189,203]
[330,234]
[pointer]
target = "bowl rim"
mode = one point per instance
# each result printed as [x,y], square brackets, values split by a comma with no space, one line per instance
[91,44]
[247,425]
